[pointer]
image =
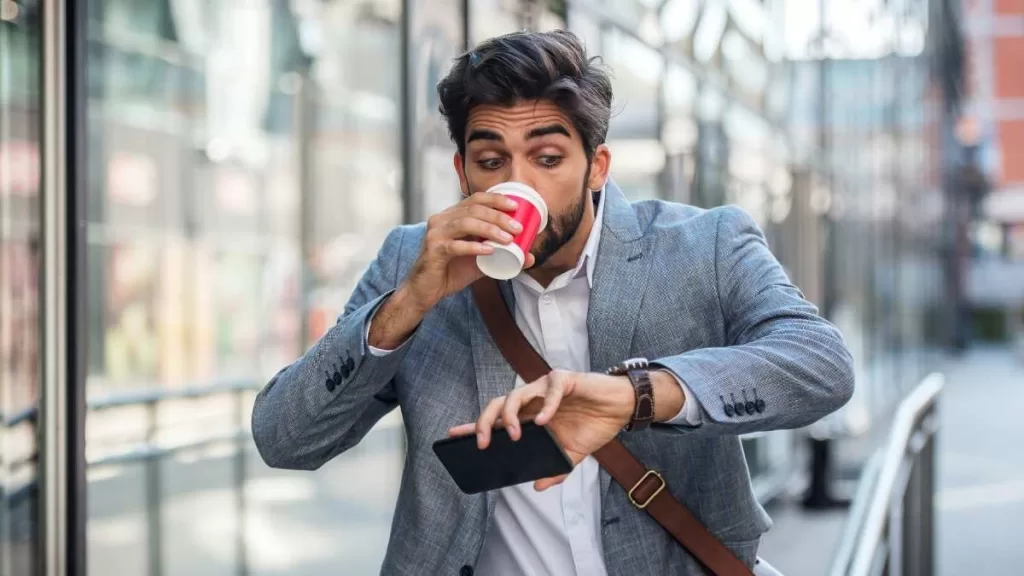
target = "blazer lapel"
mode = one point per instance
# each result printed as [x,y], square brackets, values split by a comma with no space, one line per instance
[494,376]
[624,259]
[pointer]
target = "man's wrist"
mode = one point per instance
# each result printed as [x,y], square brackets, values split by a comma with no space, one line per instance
[406,297]
[625,400]
[668,396]
[395,321]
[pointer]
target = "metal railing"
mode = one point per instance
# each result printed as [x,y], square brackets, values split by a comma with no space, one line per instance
[891,528]
[151,453]
[150,398]
[12,496]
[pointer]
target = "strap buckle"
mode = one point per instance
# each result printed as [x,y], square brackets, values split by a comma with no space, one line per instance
[648,474]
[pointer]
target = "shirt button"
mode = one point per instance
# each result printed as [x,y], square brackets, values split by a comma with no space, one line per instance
[547,299]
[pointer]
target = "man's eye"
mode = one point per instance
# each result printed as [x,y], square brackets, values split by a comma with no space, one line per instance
[490,163]
[550,160]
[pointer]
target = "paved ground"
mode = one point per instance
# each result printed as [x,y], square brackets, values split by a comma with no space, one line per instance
[801,543]
[981,467]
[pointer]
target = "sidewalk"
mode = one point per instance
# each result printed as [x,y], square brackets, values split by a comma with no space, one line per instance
[980,500]
[980,480]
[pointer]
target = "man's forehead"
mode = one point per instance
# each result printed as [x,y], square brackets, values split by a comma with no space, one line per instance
[520,116]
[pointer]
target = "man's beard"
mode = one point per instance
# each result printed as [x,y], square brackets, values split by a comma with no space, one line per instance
[561,229]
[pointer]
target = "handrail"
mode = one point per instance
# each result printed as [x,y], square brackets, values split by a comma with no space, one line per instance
[144,396]
[150,454]
[15,418]
[879,496]
[149,451]
[13,498]
[858,513]
[149,395]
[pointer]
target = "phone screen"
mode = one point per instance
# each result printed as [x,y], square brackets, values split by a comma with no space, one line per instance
[504,463]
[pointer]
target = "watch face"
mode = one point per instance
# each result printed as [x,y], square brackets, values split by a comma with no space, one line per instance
[625,366]
[634,363]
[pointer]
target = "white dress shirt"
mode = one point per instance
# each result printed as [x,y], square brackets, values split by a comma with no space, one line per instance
[556,532]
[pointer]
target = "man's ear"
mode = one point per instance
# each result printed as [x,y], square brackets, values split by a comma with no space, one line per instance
[600,165]
[460,169]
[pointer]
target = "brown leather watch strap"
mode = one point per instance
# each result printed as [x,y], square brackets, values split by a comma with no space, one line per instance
[643,410]
[646,489]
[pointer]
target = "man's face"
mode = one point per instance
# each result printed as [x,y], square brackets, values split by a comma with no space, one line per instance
[534,143]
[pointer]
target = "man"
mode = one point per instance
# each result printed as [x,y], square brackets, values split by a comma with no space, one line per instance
[733,347]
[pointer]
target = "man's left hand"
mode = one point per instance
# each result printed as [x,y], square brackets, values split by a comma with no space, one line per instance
[584,411]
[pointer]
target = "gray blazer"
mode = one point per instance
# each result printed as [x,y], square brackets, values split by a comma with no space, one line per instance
[697,291]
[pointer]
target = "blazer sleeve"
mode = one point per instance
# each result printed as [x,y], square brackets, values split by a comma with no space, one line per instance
[783,366]
[327,400]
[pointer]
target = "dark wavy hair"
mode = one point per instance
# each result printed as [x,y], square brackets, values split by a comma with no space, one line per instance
[522,66]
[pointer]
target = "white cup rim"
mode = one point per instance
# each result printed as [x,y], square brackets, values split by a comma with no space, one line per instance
[527,193]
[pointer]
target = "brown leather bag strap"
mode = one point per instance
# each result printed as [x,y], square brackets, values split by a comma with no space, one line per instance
[646,488]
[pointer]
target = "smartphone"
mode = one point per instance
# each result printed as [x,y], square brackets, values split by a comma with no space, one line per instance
[504,463]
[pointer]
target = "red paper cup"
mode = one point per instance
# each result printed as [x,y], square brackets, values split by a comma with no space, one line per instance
[507,260]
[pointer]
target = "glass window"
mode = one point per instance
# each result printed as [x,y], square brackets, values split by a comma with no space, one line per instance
[679,132]
[585,25]
[634,134]
[436,39]
[678,19]
[489,18]
[629,14]
[20,276]
[779,91]
[245,165]
[679,91]
[749,162]
[712,160]
[679,98]
[746,66]
[552,15]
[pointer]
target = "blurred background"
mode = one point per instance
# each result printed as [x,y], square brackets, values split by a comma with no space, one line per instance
[189,190]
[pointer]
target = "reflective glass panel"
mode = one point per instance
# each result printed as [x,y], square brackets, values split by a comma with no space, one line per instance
[20,278]
[634,133]
[245,166]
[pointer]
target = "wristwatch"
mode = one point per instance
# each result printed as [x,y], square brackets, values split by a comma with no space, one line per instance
[636,369]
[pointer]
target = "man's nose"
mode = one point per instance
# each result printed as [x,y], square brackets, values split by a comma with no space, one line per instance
[521,172]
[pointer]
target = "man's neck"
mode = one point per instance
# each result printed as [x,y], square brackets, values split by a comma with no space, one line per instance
[567,256]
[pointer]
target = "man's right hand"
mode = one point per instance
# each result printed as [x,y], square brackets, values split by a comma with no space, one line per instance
[446,263]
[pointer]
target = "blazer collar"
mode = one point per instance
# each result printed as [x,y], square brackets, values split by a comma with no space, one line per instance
[619,216]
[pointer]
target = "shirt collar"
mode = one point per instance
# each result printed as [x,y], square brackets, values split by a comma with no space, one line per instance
[589,255]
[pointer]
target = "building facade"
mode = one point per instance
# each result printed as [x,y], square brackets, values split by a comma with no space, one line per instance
[994,115]
[194,215]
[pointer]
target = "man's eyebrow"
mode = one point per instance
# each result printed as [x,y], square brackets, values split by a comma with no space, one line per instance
[481,134]
[484,134]
[548,130]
